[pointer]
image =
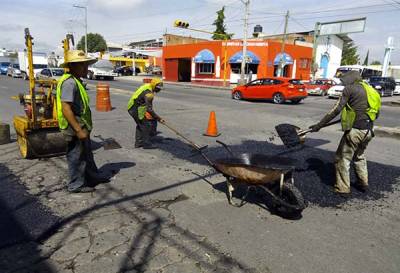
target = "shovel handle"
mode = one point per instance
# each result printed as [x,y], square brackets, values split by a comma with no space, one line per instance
[304,132]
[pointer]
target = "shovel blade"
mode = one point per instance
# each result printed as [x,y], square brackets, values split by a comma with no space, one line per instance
[111,144]
[288,133]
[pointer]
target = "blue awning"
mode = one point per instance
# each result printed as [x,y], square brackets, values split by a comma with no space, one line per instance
[286,58]
[204,56]
[238,58]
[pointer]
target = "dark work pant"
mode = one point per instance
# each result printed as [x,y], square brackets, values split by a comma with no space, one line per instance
[143,128]
[81,166]
[153,127]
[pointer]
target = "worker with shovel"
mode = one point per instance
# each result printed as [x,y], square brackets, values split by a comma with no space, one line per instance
[360,105]
[140,107]
[75,121]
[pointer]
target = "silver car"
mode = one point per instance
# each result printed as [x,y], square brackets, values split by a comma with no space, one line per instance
[49,74]
[14,71]
[397,88]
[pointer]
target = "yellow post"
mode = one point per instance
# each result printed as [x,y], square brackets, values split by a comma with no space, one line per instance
[28,43]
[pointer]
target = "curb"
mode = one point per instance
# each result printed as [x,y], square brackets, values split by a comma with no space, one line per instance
[198,86]
[391,132]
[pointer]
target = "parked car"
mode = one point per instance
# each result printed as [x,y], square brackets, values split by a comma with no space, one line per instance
[3,67]
[319,87]
[156,70]
[335,91]
[14,71]
[49,74]
[101,69]
[277,89]
[397,89]
[124,70]
[384,85]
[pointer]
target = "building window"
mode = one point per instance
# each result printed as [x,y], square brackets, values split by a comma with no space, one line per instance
[205,68]
[304,63]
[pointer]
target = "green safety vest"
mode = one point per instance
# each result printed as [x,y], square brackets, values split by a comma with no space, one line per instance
[86,115]
[348,115]
[136,94]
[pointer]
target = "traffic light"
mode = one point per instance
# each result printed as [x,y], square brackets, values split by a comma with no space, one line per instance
[181,24]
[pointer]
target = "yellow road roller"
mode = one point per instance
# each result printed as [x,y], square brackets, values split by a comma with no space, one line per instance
[38,134]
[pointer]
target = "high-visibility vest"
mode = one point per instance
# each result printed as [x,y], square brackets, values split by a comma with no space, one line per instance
[348,115]
[136,94]
[86,115]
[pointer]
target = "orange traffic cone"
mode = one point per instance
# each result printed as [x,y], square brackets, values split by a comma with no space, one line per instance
[212,130]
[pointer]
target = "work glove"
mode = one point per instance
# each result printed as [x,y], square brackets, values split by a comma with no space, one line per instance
[315,127]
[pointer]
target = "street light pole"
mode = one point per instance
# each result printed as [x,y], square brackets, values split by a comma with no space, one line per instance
[85,8]
[244,53]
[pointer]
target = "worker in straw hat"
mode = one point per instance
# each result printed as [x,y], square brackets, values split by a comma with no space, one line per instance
[75,121]
[140,107]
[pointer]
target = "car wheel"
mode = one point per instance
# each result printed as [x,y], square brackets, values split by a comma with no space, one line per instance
[278,98]
[237,95]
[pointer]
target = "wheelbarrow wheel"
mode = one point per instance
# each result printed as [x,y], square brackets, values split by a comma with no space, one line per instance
[291,202]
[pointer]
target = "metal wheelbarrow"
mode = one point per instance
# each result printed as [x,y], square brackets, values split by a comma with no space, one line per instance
[270,174]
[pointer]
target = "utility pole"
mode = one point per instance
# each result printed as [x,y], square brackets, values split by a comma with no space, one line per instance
[314,66]
[244,53]
[282,59]
[85,8]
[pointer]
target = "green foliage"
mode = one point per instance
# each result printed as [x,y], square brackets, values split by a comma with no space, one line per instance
[376,63]
[95,43]
[349,54]
[220,26]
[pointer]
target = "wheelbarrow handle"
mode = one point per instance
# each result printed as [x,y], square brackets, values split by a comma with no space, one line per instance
[226,147]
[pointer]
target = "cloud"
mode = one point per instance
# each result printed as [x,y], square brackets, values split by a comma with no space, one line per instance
[11,27]
[114,5]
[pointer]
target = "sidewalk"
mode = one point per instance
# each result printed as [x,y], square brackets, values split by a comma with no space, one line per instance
[139,79]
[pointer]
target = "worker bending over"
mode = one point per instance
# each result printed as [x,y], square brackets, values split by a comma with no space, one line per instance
[140,107]
[75,122]
[360,105]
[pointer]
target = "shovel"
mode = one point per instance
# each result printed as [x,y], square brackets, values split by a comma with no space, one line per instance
[293,136]
[109,143]
[191,143]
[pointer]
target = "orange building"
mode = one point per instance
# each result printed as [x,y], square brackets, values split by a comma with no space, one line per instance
[204,61]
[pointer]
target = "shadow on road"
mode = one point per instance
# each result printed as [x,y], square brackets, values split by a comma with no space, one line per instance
[314,175]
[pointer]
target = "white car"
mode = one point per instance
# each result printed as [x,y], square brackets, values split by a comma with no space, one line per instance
[397,88]
[335,91]
[101,69]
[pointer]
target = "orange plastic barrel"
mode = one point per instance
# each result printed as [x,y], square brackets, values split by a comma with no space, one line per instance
[103,101]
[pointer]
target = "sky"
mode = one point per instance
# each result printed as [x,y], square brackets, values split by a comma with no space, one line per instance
[124,21]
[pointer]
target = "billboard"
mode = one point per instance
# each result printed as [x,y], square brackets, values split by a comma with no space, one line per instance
[342,27]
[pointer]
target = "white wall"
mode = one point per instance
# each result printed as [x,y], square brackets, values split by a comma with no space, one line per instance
[334,50]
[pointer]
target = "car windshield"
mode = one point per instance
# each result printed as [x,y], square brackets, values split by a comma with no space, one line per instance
[318,82]
[4,64]
[57,72]
[296,82]
[39,66]
[103,64]
[16,66]
[376,79]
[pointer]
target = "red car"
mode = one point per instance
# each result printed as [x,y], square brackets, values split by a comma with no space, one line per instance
[277,89]
[319,87]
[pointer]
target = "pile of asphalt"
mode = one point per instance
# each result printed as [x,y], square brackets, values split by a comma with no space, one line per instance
[314,169]
[23,218]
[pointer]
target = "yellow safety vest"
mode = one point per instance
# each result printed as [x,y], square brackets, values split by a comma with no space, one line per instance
[348,115]
[136,94]
[86,115]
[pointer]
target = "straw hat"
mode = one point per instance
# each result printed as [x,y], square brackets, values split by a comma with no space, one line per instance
[77,56]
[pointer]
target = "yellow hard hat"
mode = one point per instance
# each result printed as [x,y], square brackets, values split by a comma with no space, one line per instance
[155,81]
[77,56]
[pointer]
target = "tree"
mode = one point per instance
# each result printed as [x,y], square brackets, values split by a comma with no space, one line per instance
[220,27]
[376,63]
[349,54]
[95,43]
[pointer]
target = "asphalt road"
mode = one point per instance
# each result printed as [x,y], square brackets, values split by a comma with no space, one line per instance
[165,210]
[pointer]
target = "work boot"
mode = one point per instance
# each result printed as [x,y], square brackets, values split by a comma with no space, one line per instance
[83,189]
[361,187]
[149,146]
